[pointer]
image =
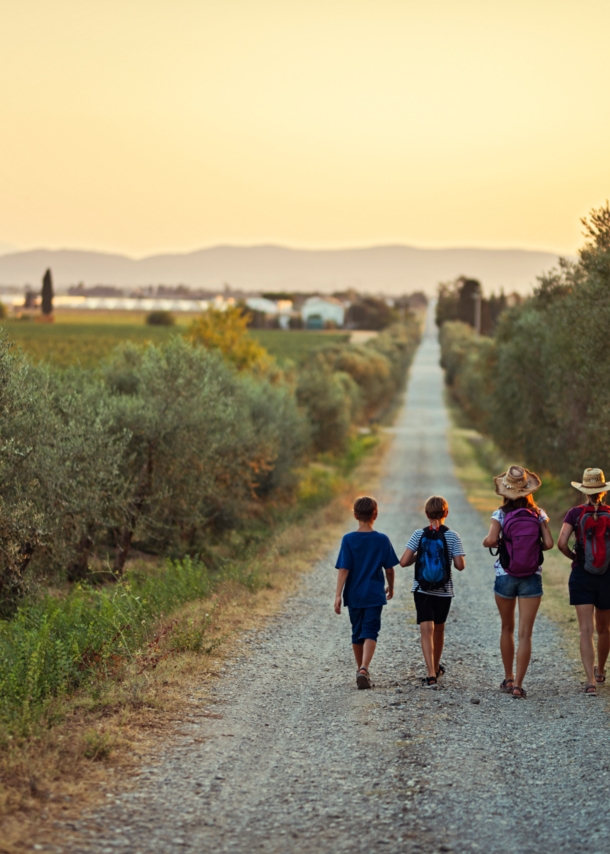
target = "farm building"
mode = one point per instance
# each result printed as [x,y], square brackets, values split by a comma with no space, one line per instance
[280,309]
[318,312]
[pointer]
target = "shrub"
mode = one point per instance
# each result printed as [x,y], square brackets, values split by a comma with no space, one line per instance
[331,400]
[370,313]
[370,371]
[59,470]
[227,332]
[194,458]
[283,427]
[379,367]
[160,318]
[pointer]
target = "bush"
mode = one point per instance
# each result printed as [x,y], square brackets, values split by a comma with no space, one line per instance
[227,332]
[370,371]
[331,400]
[194,458]
[378,367]
[160,318]
[370,313]
[60,470]
[281,425]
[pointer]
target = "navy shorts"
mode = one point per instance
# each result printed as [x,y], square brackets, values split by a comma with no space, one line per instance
[431,609]
[588,589]
[366,623]
[510,587]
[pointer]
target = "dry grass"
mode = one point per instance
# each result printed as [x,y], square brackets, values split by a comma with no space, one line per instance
[102,735]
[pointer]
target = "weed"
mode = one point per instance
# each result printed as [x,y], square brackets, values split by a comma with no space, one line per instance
[98,745]
[189,635]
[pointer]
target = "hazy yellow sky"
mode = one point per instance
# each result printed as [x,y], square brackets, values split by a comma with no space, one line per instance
[148,125]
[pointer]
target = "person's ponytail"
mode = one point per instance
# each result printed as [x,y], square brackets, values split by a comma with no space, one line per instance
[596,499]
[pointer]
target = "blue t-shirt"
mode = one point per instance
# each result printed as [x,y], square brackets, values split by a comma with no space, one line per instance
[365,554]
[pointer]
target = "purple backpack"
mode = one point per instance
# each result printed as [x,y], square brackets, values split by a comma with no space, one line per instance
[520,545]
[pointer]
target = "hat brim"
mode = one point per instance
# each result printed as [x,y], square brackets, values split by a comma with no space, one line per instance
[533,483]
[590,490]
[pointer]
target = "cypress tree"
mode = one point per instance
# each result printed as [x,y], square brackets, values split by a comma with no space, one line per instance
[47,293]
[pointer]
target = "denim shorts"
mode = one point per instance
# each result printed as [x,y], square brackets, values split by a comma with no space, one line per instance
[509,587]
[366,623]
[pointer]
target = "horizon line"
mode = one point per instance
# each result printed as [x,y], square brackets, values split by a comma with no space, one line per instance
[360,248]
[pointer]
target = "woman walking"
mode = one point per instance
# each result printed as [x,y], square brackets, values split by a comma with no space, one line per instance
[589,582]
[520,531]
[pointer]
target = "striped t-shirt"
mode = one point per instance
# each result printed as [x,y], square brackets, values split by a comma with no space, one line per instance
[455,549]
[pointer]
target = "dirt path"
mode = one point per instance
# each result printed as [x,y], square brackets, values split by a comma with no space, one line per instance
[292,758]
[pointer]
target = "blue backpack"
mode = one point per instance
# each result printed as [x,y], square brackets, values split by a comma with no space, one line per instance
[432,566]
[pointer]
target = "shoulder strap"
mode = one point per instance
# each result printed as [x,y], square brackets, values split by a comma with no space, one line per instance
[583,513]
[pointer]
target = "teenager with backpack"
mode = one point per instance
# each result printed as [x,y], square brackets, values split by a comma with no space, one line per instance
[433,550]
[589,582]
[520,532]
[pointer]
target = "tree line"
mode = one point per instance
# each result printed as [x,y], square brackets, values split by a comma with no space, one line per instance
[164,447]
[540,386]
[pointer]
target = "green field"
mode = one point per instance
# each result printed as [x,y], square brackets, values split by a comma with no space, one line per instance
[296,344]
[78,340]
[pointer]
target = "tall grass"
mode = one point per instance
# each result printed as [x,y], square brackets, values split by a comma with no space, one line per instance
[54,645]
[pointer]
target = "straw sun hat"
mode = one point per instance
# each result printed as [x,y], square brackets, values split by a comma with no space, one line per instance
[517,482]
[593,481]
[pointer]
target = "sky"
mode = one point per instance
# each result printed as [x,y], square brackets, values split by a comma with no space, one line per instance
[144,126]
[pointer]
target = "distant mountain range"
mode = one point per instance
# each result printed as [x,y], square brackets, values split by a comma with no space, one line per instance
[378,269]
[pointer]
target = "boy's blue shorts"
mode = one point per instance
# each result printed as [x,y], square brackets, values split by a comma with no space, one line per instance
[366,623]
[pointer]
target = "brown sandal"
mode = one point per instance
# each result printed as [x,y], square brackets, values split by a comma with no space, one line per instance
[520,693]
[362,679]
[599,677]
[590,690]
[507,686]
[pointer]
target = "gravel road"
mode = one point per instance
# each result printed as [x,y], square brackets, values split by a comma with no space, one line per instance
[291,757]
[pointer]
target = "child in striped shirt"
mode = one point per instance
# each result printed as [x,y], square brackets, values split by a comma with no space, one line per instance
[433,599]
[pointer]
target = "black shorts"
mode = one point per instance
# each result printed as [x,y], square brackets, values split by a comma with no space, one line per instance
[430,608]
[588,589]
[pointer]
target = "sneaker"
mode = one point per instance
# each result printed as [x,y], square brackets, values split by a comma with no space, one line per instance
[429,682]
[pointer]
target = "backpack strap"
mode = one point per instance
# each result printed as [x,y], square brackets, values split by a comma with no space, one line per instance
[443,530]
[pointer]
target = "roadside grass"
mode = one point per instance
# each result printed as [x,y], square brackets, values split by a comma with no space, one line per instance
[141,679]
[476,460]
[78,339]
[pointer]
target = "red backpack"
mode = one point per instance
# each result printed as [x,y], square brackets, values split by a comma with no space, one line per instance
[593,539]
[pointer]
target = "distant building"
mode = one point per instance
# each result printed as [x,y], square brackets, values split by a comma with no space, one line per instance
[318,312]
[276,310]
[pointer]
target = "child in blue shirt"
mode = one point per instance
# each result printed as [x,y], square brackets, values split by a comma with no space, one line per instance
[363,557]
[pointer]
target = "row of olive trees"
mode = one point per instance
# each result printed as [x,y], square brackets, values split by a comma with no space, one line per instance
[541,386]
[165,447]
[346,384]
